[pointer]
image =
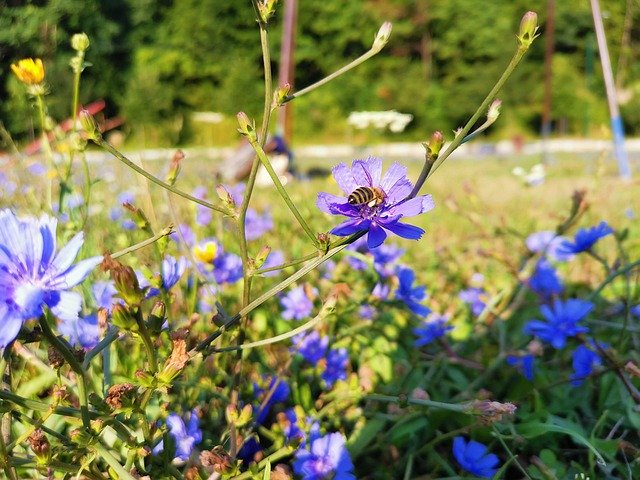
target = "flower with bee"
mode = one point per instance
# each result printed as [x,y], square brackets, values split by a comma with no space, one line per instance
[374,202]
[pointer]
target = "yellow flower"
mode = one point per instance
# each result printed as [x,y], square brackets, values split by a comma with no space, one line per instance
[205,253]
[29,71]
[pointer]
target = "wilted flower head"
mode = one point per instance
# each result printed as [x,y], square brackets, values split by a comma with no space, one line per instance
[586,238]
[326,457]
[473,457]
[381,214]
[561,321]
[29,71]
[32,275]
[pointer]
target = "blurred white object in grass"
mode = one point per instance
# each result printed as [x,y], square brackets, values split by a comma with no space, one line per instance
[533,177]
[394,121]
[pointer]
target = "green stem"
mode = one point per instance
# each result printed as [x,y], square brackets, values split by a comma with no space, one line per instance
[429,169]
[281,190]
[143,332]
[326,310]
[109,338]
[163,233]
[104,144]
[71,359]
[274,457]
[275,290]
[46,146]
[105,454]
[611,277]
[451,407]
[5,461]
[363,58]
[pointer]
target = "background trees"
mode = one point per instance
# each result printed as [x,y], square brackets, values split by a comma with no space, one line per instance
[157,61]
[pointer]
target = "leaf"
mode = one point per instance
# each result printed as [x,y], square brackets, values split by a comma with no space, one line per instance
[407,427]
[559,425]
[362,437]
[267,471]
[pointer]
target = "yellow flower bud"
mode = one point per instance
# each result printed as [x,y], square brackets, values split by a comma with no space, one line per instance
[80,42]
[29,71]
[206,253]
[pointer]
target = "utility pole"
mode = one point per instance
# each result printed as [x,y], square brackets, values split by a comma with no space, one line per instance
[549,41]
[287,65]
[617,127]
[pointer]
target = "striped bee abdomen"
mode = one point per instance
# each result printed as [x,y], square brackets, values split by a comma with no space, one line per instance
[372,196]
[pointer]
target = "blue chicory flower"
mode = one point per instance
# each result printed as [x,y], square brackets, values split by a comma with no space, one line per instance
[408,294]
[545,281]
[275,258]
[473,457]
[82,332]
[172,271]
[386,215]
[297,305]
[561,321]
[104,294]
[366,311]
[257,224]
[431,329]
[336,366]
[636,311]
[381,291]
[586,238]
[185,437]
[184,233]
[475,297]
[32,275]
[291,426]
[584,361]
[524,364]
[327,457]
[311,346]
[549,244]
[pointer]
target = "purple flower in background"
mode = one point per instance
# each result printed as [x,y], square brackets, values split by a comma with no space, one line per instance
[545,280]
[204,215]
[431,329]
[291,426]
[524,364]
[32,275]
[37,169]
[104,294]
[249,449]
[381,291]
[561,321]
[636,311]
[408,294]
[257,224]
[7,187]
[227,268]
[383,258]
[275,258]
[380,216]
[82,332]
[586,238]
[185,437]
[475,297]
[172,271]
[549,244]
[297,305]
[311,346]
[366,311]
[184,232]
[584,361]
[336,366]
[473,457]
[327,457]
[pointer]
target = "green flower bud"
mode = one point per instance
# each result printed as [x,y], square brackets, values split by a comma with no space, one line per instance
[90,126]
[157,317]
[281,94]
[80,42]
[247,126]
[382,37]
[262,256]
[528,29]
[174,167]
[122,318]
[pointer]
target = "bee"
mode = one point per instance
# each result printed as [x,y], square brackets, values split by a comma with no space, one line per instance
[371,196]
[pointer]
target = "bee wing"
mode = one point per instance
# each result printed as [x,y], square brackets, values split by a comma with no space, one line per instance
[361,174]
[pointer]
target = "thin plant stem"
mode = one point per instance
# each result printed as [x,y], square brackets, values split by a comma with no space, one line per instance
[5,460]
[611,277]
[104,144]
[282,191]
[105,454]
[163,233]
[46,146]
[71,359]
[274,457]
[429,169]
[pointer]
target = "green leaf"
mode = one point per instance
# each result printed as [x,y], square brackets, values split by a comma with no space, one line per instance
[267,471]
[362,437]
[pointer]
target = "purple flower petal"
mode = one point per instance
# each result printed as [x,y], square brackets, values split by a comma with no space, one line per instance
[351,226]
[11,325]
[344,178]
[395,173]
[76,274]
[376,235]
[363,171]
[68,253]
[414,206]
[405,231]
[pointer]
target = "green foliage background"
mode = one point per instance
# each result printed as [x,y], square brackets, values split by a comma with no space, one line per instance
[157,61]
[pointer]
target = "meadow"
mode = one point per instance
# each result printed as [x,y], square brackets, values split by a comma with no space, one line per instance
[376,322]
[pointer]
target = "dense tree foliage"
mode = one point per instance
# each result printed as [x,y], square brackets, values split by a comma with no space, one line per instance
[157,61]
